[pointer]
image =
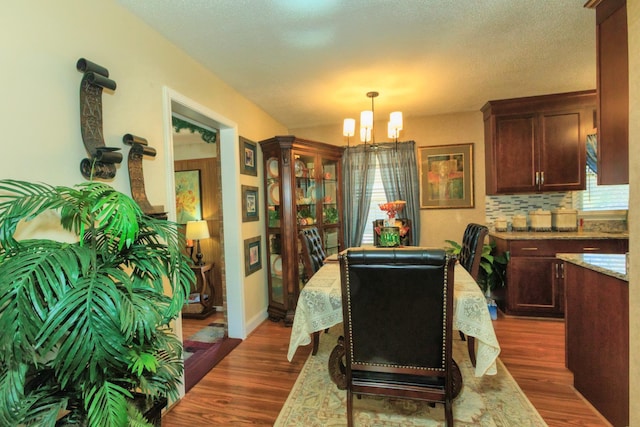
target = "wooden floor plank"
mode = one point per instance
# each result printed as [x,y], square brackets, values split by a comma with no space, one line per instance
[252,383]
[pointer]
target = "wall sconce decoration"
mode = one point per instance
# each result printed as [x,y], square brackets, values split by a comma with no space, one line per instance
[140,148]
[102,160]
[197,230]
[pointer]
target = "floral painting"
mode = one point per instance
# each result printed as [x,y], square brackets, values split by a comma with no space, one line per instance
[188,198]
[446,176]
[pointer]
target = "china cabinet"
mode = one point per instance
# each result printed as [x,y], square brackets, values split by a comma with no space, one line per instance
[302,181]
[538,143]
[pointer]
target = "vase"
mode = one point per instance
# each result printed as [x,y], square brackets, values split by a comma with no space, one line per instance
[390,237]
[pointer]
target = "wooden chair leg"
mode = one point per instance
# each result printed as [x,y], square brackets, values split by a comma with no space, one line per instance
[461,335]
[316,342]
[471,346]
[448,410]
[349,408]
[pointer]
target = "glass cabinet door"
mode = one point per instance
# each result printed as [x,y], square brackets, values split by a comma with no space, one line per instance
[329,192]
[331,242]
[274,236]
[305,191]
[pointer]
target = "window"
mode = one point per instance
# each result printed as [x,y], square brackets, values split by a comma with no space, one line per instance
[377,197]
[601,197]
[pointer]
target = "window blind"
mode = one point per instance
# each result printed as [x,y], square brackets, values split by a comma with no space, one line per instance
[602,197]
[377,197]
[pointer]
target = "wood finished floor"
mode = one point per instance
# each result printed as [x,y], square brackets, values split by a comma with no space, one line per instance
[251,384]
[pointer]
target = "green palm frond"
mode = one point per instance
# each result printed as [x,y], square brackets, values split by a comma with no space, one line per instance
[107,405]
[31,281]
[83,325]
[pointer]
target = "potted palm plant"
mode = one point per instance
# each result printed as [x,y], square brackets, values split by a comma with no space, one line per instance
[85,322]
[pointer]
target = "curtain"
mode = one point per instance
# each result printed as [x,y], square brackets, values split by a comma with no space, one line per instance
[592,150]
[399,172]
[357,184]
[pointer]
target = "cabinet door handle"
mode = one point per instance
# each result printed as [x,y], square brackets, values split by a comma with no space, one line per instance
[590,249]
[562,270]
[530,249]
[542,178]
[537,177]
[557,271]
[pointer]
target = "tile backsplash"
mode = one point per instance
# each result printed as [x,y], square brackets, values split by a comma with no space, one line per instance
[521,204]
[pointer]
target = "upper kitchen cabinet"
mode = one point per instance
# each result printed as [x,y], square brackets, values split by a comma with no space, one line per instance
[613,90]
[537,143]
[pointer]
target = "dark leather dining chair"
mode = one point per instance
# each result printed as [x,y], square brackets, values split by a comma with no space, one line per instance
[470,256]
[398,317]
[312,251]
[471,248]
[404,240]
[313,257]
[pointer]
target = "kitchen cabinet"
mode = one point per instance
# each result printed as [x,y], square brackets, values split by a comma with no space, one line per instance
[302,183]
[537,144]
[597,338]
[612,66]
[535,277]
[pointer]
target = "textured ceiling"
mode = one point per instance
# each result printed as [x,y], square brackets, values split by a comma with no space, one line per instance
[311,62]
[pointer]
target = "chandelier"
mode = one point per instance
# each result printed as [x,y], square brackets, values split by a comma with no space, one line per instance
[367,133]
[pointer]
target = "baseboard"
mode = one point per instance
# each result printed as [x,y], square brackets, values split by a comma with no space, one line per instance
[256,321]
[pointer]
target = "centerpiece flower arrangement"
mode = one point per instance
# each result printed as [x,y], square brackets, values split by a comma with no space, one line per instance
[392,209]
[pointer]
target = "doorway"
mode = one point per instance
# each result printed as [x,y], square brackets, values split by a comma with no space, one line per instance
[231,258]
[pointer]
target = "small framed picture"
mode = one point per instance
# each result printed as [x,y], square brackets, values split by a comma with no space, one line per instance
[250,205]
[248,157]
[252,255]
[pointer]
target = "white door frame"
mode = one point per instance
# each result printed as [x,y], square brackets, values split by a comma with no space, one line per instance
[232,214]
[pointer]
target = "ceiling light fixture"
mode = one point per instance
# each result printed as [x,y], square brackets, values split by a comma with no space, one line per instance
[367,130]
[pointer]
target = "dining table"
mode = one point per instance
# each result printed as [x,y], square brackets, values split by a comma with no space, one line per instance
[319,307]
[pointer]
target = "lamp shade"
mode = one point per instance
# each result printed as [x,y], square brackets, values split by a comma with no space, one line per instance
[366,119]
[349,128]
[197,230]
[395,120]
[391,131]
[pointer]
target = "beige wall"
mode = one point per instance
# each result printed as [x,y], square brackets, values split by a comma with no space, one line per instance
[437,225]
[40,43]
[633,18]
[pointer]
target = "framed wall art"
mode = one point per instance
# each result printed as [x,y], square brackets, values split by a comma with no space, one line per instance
[446,176]
[188,196]
[248,157]
[252,255]
[250,205]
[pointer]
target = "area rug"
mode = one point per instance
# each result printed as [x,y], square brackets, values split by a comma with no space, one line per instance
[203,350]
[495,400]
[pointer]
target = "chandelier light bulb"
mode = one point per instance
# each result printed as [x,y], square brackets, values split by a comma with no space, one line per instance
[366,119]
[395,119]
[365,134]
[349,127]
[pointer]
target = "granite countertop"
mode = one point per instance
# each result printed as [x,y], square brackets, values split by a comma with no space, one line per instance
[541,235]
[610,264]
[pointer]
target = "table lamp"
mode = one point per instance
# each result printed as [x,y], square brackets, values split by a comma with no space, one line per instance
[197,230]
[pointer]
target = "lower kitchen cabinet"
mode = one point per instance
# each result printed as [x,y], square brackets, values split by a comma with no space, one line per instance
[540,287]
[597,338]
[535,277]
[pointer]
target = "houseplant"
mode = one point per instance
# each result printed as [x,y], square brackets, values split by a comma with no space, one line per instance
[85,325]
[493,268]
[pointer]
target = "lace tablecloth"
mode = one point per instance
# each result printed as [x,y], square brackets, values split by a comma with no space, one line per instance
[320,307]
